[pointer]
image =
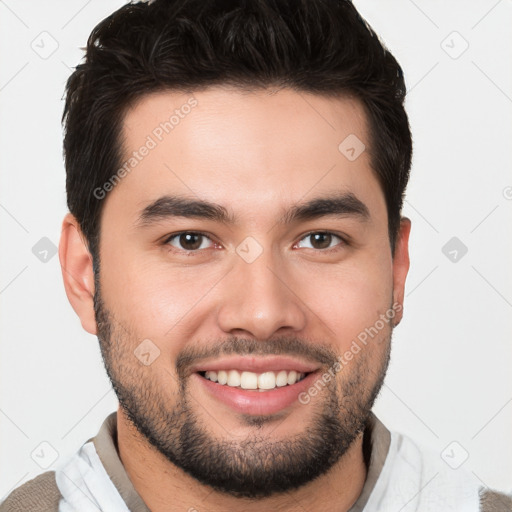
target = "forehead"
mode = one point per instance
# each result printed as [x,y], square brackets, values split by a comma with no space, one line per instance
[249,150]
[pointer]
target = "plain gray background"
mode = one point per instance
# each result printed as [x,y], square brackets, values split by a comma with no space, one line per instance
[448,385]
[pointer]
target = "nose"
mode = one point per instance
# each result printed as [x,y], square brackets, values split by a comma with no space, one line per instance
[258,299]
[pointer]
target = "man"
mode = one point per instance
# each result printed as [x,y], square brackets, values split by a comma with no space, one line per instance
[235,178]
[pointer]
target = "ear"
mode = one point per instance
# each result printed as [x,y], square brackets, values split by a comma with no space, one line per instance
[400,267]
[77,272]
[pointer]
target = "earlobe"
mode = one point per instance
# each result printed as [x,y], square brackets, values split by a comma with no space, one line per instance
[400,268]
[77,272]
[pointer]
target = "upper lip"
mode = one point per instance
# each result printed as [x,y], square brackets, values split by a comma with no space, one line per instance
[256,364]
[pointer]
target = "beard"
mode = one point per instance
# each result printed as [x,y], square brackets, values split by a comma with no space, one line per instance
[259,465]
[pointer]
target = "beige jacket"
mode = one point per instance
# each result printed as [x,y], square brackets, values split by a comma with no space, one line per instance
[41,494]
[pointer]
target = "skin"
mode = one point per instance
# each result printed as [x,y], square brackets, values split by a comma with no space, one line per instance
[255,154]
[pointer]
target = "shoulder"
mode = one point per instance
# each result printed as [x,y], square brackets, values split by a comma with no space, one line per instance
[447,478]
[494,501]
[40,494]
[438,481]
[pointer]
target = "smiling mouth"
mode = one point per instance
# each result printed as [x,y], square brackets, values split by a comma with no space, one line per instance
[251,381]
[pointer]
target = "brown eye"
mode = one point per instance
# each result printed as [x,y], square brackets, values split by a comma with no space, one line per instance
[188,241]
[322,240]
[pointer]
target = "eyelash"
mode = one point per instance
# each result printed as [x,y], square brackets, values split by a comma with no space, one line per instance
[337,247]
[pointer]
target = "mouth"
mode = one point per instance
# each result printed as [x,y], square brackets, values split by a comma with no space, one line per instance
[255,386]
[252,381]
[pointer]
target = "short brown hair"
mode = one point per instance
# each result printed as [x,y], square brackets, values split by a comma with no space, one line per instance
[316,46]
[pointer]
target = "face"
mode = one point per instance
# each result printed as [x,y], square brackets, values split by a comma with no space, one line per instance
[243,258]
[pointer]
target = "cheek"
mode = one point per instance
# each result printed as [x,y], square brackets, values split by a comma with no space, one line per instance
[156,300]
[350,298]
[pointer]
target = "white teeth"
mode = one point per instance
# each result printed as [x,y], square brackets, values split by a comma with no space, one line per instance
[211,375]
[233,378]
[292,377]
[281,379]
[250,380]
[267,380]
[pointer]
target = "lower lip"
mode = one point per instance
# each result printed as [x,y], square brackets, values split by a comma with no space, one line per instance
[257,402]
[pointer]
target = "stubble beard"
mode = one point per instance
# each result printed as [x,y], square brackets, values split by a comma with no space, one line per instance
[259,465]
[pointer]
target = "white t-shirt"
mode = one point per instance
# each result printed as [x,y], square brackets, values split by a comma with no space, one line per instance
[402,477]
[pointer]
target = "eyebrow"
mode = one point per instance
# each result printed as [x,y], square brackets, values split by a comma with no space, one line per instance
[335,205]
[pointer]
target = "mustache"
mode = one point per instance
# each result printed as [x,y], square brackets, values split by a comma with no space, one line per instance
[312,352]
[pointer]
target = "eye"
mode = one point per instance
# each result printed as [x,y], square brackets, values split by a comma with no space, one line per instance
[322,240]
[189,241]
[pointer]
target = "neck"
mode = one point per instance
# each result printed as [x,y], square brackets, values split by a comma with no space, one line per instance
[165,487]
